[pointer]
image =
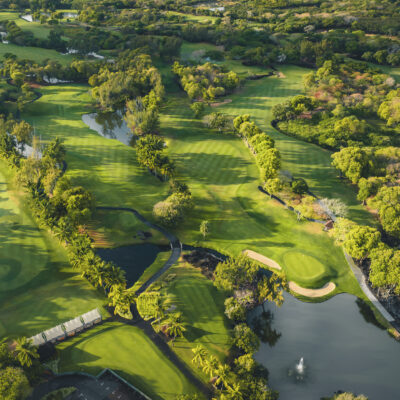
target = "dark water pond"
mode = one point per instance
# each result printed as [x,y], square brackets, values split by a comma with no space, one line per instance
[109,125]
[133,259]
[340,347]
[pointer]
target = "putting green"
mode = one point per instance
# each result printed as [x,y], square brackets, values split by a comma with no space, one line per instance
[303,268]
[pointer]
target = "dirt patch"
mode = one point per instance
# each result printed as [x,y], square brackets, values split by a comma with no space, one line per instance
[262,259]
[35,85]
[226,101]
[280,75]
[99,239]
[326,289]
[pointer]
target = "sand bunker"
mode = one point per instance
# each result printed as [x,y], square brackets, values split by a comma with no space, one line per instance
[326,289]
[262,259]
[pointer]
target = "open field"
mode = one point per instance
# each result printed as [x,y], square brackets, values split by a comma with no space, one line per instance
[39,30]
[37,288]
[130,353]
[202,307]
[35,53]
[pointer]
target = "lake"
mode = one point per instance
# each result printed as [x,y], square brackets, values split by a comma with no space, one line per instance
[340,347]
[109,125]
[133,259]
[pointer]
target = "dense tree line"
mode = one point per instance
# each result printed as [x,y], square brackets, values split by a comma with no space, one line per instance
[263,146]
[340,97]
[248,286]
[61,207]
[206,82]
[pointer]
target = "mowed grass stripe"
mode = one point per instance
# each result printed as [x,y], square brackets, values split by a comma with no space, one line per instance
[129,352]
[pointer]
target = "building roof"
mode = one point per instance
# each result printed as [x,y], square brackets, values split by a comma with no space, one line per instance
[91,316]
[73,324]
[54,333]
[38,339]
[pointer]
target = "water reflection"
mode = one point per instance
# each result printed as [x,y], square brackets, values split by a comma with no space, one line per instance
[317,349]
[262,326]
[109,125]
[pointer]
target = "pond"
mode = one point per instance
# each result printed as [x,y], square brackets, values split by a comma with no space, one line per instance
[318,349]
[133,259]
[109,125]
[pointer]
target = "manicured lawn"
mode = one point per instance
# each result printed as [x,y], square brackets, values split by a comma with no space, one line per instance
[300,158]
[130,353]
[219,169]
[159,262]
[223,177]
[106,167]
[303,268]
[35,53]
[39,30]
[37,288]
[202,307]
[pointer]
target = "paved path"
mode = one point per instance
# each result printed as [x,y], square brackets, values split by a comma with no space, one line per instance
[367,291]
[176,245]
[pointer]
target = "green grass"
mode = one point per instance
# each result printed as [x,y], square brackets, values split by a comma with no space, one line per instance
[106,167]
[202,307]
[40,31]
[159,262]
[120,228]
[300,158]
[219,169]
[223,177]
[35,53]
[303,268]
[130,353]
[37,288]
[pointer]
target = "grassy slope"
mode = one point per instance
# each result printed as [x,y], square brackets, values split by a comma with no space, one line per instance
[37,289]
[223,177]
[130,353]
[159,262]
[300,158]
[219,169]
[106,167]
[202,307]
[34,53]
[39,30]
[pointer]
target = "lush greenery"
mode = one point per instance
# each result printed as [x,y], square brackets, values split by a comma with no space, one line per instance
[127,350]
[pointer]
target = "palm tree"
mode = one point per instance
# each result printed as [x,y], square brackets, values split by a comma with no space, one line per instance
[210,366]
[222,374]
[235,391]
[25,352]
[160,307]
[121,299]
[114,276]
[200,354]
[175,326]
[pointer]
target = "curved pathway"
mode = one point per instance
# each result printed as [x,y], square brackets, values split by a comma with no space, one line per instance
[362,281]
[176,245]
